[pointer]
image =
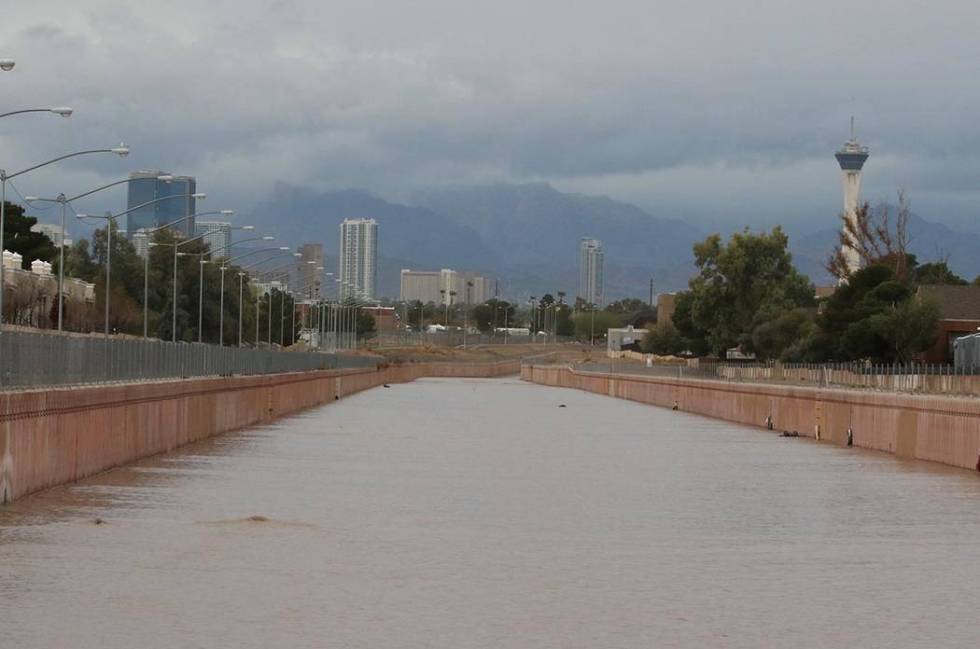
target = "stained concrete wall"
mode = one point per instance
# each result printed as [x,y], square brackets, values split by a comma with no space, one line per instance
[936,428]
[59,435]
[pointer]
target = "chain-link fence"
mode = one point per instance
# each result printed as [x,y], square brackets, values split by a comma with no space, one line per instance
[36,359]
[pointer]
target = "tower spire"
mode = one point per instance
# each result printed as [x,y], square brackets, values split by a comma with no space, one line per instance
[851,159]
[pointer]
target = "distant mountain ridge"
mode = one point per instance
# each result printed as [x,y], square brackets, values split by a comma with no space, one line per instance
[534,231]
[527,235]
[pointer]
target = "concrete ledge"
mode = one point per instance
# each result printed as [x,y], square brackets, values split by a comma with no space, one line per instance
[926,427]
[59,435]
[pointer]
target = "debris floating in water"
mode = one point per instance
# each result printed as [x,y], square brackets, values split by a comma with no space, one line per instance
[257,518]
[98,521]
[561,405]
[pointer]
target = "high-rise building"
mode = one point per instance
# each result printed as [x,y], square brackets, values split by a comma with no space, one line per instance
[443,286]
[420,285]
[146,187]
[851,158]
[217,234]
[590,271]
[359,259]
[472,289]
[308,278]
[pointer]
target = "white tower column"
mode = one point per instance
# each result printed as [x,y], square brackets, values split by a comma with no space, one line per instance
[851,158]
[852,194]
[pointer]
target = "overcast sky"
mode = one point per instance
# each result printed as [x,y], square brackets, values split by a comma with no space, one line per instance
[722,113]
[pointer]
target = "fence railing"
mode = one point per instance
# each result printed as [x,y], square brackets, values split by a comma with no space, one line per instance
[456,339]
[929,379]
[37,359]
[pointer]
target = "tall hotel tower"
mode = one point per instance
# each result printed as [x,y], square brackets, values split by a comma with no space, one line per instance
[590,271]
[359,259]
[851,159]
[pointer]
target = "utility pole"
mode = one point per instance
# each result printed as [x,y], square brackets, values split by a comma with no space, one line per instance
[496,305]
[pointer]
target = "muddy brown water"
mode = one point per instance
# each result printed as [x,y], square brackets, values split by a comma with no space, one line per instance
[477,513]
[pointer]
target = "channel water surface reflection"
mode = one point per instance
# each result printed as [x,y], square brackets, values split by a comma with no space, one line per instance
[469,513]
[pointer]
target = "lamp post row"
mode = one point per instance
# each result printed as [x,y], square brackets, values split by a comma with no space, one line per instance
[6,65]
[109,217]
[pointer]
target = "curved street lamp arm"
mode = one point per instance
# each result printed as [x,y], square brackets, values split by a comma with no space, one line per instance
[268,259]
[181,219]
[54,160]
[155,200]
[200,236]
[197,238]
[99,189]
[26,110]
[247,254]
[235,243]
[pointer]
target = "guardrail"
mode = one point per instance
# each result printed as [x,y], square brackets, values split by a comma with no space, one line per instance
[38,359]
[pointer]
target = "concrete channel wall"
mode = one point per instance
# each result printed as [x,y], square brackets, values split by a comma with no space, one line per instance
[926,427]
[59,435]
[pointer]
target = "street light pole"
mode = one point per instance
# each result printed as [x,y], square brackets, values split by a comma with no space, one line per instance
[109,217]
[108,267]
[292,330]
[592,334]
[221,314]
[121,150]
[173,321]
[61,199]
[221,298]
[221,311]
[200,300]
[177,253]
[257,300]
[241,277]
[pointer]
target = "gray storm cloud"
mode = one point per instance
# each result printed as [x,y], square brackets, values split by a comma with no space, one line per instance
[717,110]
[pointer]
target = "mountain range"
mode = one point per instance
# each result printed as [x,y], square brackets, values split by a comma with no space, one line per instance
[527,236]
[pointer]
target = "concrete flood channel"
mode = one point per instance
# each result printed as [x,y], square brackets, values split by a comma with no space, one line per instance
[496,513]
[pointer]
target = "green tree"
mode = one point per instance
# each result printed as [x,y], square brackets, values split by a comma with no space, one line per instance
[694,337]
[875,316]
[493,313]
[627,305]
[909,327]
[18,238]
[779,338]
[564,326]
[936,273]
[598,321]
[741,284]
[78,261]
[365,323]
[419,314]
[663,340]
[540,315]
